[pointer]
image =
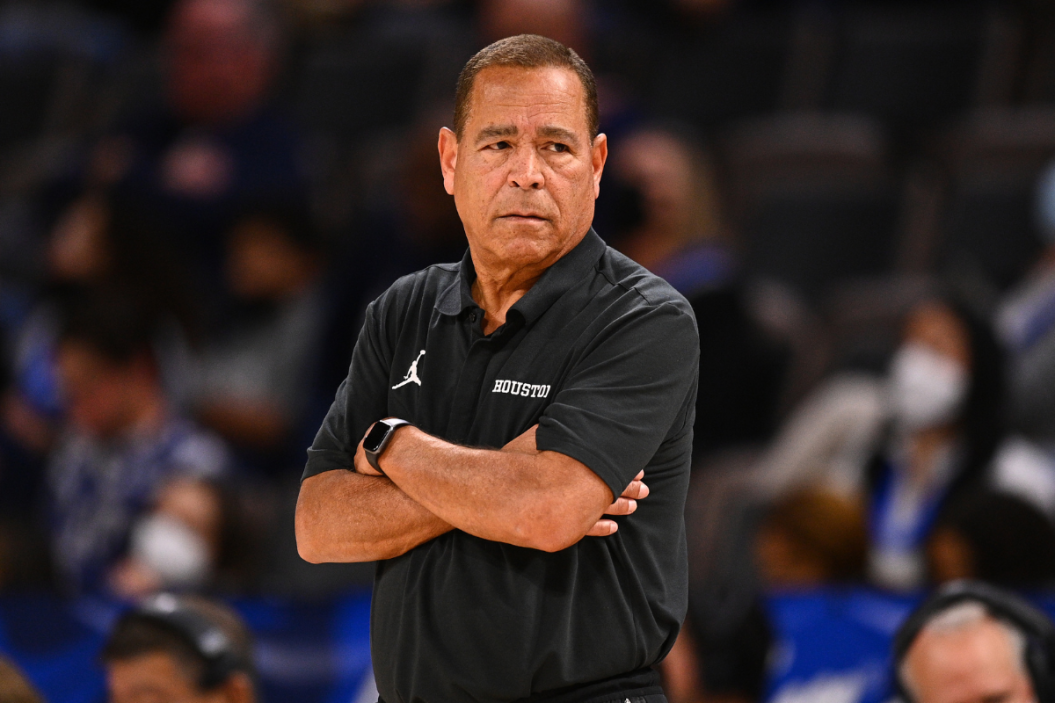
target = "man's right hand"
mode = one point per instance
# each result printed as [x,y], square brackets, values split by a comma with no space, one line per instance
[623,505]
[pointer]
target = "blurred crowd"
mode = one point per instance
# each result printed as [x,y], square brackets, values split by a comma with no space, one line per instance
[199,197]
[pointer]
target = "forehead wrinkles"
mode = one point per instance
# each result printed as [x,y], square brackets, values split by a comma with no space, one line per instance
[518,96]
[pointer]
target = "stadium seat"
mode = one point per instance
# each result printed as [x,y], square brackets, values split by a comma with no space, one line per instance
[915,65]
[730,70]
[358,83]
[991,161]
[813,198]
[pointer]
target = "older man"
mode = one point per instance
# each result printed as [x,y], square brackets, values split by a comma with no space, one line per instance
[972,643]
[179,648]
[489,443]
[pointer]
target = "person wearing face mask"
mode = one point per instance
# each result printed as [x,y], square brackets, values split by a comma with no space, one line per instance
[943,402]
[907,443]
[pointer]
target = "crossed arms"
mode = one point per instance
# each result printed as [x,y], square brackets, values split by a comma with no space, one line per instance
[517,495]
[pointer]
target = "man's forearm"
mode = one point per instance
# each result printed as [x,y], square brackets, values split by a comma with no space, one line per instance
[520,496]
[346,517]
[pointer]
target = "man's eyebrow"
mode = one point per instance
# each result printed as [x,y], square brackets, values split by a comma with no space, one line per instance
[493,131]
[560,133]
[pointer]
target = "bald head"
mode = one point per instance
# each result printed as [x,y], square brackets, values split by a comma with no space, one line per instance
[964,655]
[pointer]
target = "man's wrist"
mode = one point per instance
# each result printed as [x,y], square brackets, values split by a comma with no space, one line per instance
[379,438]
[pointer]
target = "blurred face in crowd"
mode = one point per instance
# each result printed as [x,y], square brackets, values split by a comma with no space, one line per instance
[560,20]
[263,264]
[219,59]
[975,663]
[102,398]
[157,677]
[78,248]
[678,193]
[930,373]
[525,172]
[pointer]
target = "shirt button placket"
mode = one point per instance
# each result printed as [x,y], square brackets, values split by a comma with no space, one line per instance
[467,388]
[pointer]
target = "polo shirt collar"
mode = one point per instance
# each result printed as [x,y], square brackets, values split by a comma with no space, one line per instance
[559,278]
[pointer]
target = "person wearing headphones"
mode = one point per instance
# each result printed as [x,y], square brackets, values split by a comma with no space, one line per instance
[974,643]
[179,648]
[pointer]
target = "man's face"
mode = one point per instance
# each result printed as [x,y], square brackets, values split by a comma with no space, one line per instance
[525,173]
[95,391]
[217,68]
[972,664]
[154,678]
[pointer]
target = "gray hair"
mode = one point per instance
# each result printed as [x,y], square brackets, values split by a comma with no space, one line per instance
[961,616]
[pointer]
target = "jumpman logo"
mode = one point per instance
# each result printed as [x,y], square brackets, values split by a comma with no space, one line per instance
[412,375]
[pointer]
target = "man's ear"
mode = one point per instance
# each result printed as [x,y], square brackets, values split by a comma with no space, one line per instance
[598,155]
[448,148]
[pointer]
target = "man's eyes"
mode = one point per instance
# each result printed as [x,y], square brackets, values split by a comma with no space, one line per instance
[556,146]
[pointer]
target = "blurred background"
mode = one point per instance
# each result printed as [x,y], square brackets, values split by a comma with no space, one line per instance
[199,197]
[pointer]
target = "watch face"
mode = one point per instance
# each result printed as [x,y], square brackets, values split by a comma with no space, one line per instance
[376,435]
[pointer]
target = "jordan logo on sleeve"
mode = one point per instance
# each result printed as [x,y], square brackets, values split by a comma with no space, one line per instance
[412,375]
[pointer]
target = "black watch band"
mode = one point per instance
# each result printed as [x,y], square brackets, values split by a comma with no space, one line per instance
[378,438]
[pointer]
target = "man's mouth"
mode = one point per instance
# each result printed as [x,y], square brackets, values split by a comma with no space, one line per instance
[522,216]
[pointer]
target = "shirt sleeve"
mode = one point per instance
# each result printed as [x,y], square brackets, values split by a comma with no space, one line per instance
[362,398]
[627,393]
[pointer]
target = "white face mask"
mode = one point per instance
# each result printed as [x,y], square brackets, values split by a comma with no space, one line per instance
[175,552]
[927,389]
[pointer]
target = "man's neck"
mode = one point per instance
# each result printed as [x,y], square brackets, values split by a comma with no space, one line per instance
[496,292]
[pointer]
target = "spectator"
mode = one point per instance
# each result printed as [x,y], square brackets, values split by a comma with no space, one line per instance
[909,443]
[14,687]
[180,648]
[255,375]
[972,642]
[680,236]
[945,402]
[1026,323]
[96,239]
[215,143]
[118,479]
[996,538]
[811,538]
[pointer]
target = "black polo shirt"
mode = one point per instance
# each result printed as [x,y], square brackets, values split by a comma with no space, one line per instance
[603,356]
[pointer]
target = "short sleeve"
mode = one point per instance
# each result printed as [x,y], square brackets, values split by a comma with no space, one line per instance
[361,399]
[627,393]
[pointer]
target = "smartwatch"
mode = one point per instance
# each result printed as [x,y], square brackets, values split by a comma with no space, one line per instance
[378,438]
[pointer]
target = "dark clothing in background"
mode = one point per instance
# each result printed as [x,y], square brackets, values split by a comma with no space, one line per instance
[603,356]
[193,180]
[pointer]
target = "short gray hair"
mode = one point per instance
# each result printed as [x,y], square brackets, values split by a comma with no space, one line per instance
[525,51]
[961,616]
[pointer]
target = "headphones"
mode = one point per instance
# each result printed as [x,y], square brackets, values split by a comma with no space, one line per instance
[209,641]
[1037,630]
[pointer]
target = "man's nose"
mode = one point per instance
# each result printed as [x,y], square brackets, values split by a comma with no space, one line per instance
[525,171]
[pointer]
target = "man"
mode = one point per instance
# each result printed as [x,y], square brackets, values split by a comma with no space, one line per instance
[543,376]
[215,142]
[119,480]
[179,648]
[973,643]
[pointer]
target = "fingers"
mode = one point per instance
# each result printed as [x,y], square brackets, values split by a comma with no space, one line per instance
[636,490]
[622,506]
[602,528]
[625,504]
